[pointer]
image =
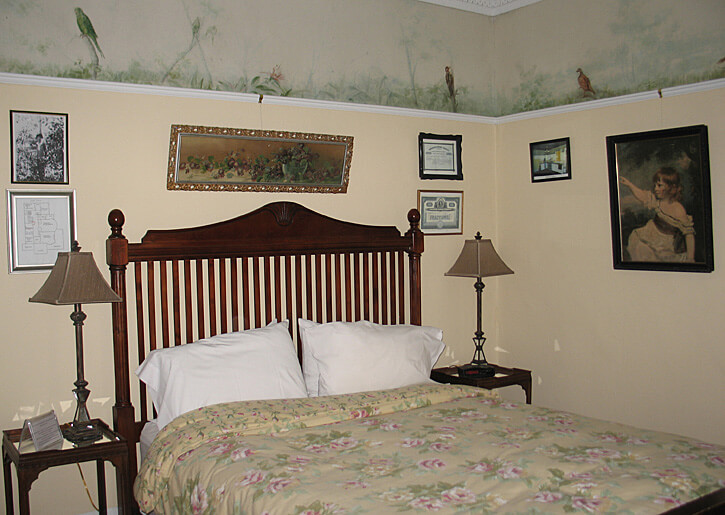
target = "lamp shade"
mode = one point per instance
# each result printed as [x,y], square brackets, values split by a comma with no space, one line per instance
[75,279]
[478,259]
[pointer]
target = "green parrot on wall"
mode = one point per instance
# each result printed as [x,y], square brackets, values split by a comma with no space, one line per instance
[87,30]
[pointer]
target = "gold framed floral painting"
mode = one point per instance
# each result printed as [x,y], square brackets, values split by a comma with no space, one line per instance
[226,159]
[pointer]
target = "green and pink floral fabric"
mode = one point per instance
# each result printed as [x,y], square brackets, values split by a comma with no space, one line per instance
[424,448]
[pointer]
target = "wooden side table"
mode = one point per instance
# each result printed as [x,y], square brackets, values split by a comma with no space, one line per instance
[28,465]
[504,377]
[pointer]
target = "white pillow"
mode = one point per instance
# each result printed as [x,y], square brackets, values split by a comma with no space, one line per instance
[363,356]
[310,369]
[247,365]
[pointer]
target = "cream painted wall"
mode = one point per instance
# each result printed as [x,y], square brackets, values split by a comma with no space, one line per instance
[639,347]
[643,348]
[118,158]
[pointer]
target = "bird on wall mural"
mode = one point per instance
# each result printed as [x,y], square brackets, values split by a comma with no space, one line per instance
[87,30]
[584,83]
[88,33]
[451,87]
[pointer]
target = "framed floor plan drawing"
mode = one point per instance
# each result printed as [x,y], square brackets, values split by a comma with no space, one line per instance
[40,224]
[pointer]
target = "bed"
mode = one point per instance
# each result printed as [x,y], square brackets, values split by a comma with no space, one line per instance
[234,424]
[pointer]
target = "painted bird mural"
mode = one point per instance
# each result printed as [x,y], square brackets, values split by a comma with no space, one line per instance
[584,83]
[87,30]
[451,87]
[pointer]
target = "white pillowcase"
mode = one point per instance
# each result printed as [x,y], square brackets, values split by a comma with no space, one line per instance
[347,357]
[247,365]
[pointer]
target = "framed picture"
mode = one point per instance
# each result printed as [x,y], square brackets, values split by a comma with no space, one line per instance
[441,212]
[659,190]
[439,156]
[550,160]
[39,147]
[222,159]
[40,224]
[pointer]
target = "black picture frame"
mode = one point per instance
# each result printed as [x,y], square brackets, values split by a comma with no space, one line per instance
[660,198]
[550,160]
[38,147]
[439,156]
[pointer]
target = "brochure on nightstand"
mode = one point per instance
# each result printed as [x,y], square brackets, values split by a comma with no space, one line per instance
[41,433]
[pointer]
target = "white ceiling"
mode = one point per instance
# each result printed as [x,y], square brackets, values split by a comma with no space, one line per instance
[487,7]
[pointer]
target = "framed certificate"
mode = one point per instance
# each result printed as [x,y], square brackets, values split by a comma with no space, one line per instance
[439,156]
[441,212]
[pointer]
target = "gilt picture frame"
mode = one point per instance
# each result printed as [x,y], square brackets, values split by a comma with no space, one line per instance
[39,147]
[441,212]
[550,160]
[660,200]
[439,156]
[226,159]
[41,223]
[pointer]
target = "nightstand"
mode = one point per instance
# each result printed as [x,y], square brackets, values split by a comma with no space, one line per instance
[504,377]
[28,465]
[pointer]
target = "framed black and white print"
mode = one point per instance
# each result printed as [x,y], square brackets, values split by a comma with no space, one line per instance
[441,212]
[39,147]
[40,224]
[661,208]
[550,160]
[439,156]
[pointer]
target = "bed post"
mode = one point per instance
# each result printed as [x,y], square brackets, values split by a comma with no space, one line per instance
[123,412]
[415,234]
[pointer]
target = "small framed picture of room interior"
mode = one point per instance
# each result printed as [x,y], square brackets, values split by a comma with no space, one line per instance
[661,207]
[550,160]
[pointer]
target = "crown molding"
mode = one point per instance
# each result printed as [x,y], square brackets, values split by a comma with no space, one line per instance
[143,89]
[486,7]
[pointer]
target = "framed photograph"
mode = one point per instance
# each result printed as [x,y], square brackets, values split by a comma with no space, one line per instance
[550,160]
[223,159]
[439,156]
[39,147]
[40,224]
[441,212]
[661,209]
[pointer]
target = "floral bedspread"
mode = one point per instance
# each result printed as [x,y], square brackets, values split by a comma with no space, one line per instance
[438,448]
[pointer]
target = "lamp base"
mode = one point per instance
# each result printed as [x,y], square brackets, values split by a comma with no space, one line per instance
[82,433]
[476,370]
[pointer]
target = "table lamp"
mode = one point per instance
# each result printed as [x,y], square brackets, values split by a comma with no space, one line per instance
[478,259]
[75,279]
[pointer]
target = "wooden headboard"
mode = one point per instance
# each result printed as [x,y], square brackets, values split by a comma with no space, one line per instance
[281,261]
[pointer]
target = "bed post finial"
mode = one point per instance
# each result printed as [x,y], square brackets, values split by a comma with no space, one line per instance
[116,220]
[414,217]
[414,231]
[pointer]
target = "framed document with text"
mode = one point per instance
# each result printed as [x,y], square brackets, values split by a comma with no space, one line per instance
[441,212]
[439,156]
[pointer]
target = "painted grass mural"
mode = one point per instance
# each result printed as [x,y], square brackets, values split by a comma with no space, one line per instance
[401,53]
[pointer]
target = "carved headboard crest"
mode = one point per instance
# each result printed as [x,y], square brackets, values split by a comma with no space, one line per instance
[284,212]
